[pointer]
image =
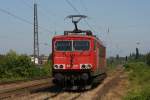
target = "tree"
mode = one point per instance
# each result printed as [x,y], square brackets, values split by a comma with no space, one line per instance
[137,53]
[148,58]
[117,56]
[126,58]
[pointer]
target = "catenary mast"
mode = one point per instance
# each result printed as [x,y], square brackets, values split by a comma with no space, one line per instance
[36,40]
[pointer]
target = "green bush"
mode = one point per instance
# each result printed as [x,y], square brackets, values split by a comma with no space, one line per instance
[44,70]
[17,66]
[148,59]
[47,67]
[14,65]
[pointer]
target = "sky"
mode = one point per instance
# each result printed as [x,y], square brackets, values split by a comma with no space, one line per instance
[128,22]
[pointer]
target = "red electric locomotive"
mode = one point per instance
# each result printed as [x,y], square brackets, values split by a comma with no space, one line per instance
[79,57]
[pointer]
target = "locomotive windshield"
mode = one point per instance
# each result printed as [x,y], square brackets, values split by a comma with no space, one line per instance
[75,45]
[81,45]
[63,45]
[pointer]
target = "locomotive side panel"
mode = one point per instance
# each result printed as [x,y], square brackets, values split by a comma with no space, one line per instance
[100,58]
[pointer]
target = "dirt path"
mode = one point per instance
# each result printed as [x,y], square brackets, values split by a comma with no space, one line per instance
[112,88]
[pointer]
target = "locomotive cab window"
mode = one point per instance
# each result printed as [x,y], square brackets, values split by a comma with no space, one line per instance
[81,45]
[63,45]
[74,45]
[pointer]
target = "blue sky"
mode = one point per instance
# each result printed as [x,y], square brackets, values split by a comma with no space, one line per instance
[128,21]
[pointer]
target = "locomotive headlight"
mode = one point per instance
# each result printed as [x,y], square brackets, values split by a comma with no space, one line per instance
[55,66]
[61,66]
[89,66]
[85,66]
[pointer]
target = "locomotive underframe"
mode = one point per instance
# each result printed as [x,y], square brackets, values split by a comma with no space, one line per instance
[80,78]
[72,77]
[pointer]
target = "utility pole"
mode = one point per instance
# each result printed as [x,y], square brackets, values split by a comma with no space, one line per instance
[36,40]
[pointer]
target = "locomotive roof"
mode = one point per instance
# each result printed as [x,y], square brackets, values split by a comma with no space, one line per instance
[78,35]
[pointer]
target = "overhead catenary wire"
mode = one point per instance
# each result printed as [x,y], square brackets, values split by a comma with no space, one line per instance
[75,9]
[111,44]
[27,4]
[15,16]
[85,8]
[48,14]
[20,18]
[40,10]
[43,11]
[83,5]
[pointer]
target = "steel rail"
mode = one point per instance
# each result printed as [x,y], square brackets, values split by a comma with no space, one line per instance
[14,89]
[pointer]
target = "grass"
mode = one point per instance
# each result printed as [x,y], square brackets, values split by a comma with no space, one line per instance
[139,78]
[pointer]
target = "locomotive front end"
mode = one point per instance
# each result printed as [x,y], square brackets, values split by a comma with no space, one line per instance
[72,60]
[78,56]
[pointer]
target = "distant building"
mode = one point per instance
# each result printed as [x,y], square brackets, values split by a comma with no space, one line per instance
[36,60]
[43,59]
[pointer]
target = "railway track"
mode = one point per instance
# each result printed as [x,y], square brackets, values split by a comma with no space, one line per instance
[97,93]
[45,90]
[10,91]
